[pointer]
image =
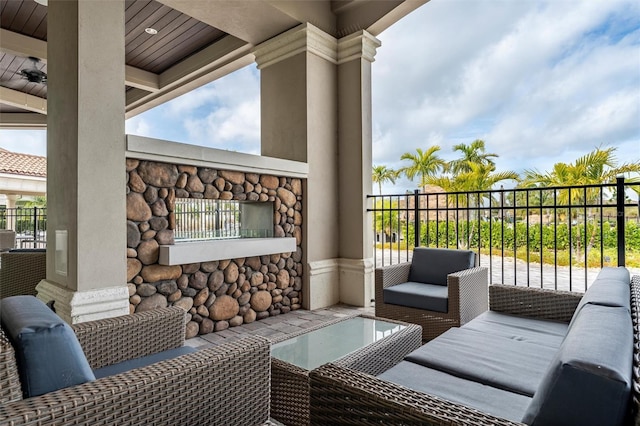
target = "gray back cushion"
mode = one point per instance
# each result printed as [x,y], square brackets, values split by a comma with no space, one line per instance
[48,353]
[589,380]
[432,265]
[612,287]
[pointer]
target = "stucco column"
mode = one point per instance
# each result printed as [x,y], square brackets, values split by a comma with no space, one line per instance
[86,235]
[11,204]
[298,88]
[355,54]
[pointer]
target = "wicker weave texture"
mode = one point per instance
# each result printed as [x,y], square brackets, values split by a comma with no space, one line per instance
[341,396]
[113,340]
[290,399]
[20,272]
[468,298]
[10,389]
[534,302]
[200,388]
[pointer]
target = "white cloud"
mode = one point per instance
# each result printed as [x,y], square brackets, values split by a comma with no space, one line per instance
[535,80]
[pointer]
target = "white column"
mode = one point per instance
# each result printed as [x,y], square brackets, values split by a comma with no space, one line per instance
[299,122]
[11,204]
[86,238]
[355,54]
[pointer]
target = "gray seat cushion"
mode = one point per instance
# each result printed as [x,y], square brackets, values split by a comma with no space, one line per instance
[132,364]
[418,295]
[432,265]
[48,353]
[507,364]
[589,380]
[541,332]
[488,399]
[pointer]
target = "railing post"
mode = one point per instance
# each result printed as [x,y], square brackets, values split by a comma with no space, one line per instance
[35,227]
[620,219]
[416,218]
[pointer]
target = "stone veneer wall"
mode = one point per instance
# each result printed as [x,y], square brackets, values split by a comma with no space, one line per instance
[217,294]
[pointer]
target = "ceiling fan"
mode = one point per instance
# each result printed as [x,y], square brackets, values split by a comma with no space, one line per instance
[34,74]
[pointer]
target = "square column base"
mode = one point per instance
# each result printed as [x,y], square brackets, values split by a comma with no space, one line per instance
[332,281]
[75,307]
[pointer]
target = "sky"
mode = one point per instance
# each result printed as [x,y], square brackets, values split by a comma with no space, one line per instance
[540,82]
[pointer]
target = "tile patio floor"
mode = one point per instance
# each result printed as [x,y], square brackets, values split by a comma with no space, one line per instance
[279,325]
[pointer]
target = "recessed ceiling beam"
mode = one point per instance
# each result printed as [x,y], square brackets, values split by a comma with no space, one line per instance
[21,45]
[22,120]
[22,100]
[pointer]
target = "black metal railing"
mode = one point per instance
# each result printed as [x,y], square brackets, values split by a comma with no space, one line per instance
[205,219]
[29,224]
[548,237]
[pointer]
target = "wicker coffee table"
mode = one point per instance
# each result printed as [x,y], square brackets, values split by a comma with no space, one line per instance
[363,343]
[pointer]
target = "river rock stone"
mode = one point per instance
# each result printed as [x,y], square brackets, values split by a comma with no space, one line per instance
[244,298]
[167,287]
[159,208]
[137,208]
[207,175]
[269,182]
[194,184]
[189,292]
[192,330]
[154,273]
[219,183]
[235,321]
[190,268]
[296,186]
[216,279]
[226,195]
[136,183]
[158,223]
[131,164]
[131,288]
[253,262]
[176,295]
[221,325]
[182,181]
[190,170]
[201,297]
[158,174]
[133,234]
[148,252]
[249,316]
[198,280]
[209,266]
[224,308]
[206,326]
[165,237]
[185,303]
[257,278]
[211,192]
[152,302]
[231,273]
[133,268]
[282,279]
[146,290]
[260,301]
[148,235]
[236,178]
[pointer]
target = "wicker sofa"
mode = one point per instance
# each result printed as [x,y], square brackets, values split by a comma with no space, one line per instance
[538,357]
[203,387]
[438,289]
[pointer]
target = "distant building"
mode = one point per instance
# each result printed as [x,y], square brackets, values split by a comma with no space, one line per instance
[21,175]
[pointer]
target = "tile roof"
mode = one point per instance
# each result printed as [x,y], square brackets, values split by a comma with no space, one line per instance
[22,164]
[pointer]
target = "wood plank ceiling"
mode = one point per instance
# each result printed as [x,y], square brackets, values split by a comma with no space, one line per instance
[178,36]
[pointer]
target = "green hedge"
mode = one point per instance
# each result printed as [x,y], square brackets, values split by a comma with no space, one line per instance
[554,237]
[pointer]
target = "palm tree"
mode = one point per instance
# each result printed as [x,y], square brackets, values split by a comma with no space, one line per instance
[473,153]
[424,164]
[480,177]
[382,174]
[597,167]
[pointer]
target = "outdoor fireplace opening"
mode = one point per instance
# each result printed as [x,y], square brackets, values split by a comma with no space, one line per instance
[208,219]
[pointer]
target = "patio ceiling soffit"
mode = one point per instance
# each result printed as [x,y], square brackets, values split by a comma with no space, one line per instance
[147,89]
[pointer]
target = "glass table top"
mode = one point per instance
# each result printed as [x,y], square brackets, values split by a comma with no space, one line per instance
[327,344]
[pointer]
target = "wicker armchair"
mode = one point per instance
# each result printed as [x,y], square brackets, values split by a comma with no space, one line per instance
[467,292]
[21,271]
[224,385]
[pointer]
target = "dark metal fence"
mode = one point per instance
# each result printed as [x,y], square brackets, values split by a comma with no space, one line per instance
[545,237]
[29,223]
[204,219]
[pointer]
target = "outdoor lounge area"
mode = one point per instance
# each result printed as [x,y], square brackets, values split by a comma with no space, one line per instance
[168,283]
